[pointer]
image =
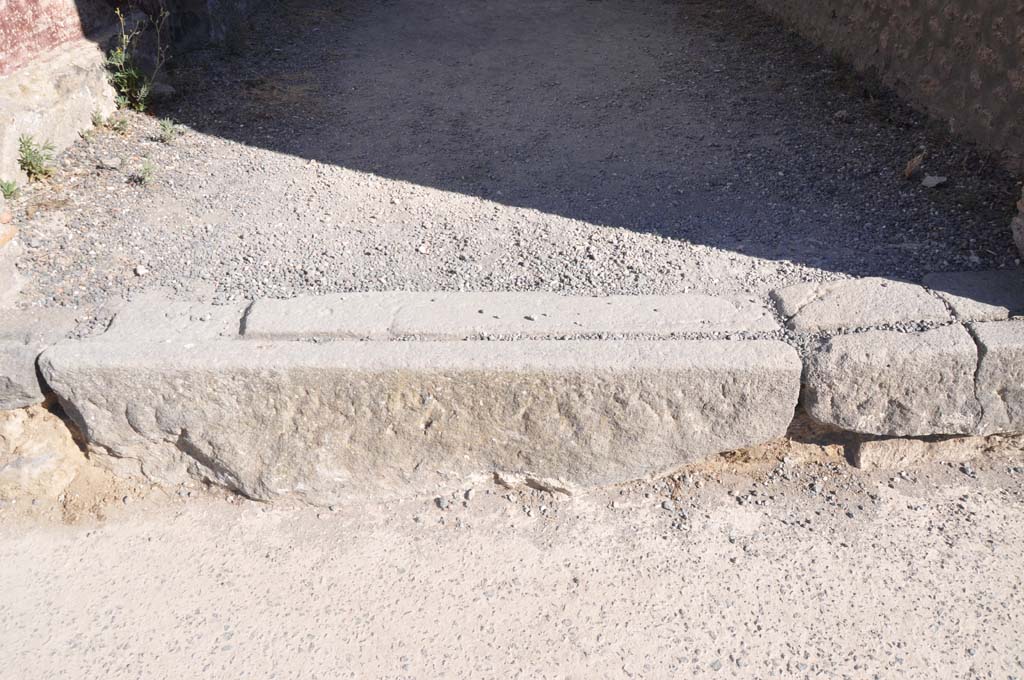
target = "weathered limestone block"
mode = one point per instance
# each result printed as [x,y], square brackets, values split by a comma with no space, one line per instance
[1000,381]
[52,99]
[992,295]
[23,335]
[856,303]
[456,316]
[321,421]
[895,384]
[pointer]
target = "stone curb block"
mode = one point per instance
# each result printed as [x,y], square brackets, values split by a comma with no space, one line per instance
[1000,379]
[896,384]
[320,421]
[19,384]
[856,303]
[980,296]
[157,316]
[457,316]
[23,335]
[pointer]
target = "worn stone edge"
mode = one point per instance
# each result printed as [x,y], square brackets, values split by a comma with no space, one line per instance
[804,359]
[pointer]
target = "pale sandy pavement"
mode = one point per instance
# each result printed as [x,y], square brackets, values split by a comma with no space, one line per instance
[923,581]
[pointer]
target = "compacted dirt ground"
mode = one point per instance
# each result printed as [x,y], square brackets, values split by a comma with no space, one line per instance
[581,146]
[798,569]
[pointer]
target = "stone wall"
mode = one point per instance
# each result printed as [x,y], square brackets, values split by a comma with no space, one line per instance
[960,60]
[31,29]
[52,60]
[52,75]
[51,99]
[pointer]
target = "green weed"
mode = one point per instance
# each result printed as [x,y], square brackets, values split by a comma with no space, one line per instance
[9,188]
[35,159]
[132,84]
[145,174]
[168,131]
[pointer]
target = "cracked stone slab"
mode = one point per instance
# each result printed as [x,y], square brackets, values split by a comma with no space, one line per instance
[1000,381]
[896,384]
[456,316]
[992,295]
[157,316]
[23,335]
[856,303]
[323,421]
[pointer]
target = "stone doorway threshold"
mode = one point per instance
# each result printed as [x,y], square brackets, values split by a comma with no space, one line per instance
[322,398]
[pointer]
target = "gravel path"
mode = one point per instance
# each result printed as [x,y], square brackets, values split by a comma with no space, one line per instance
[801,571]
[580,146]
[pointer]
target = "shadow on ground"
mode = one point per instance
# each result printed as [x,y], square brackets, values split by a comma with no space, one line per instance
[690,119]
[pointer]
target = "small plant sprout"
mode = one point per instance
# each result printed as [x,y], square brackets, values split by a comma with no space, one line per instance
[9,188]
[98,119]
[118,123]
[145,174]
[35,158]
[168,131]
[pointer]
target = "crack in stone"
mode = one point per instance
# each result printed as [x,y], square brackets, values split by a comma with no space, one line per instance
[980,354]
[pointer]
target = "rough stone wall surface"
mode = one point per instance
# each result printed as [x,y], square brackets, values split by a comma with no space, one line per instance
[51,99]
[32,27]
[195,23]
[961,60]
[52,56]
